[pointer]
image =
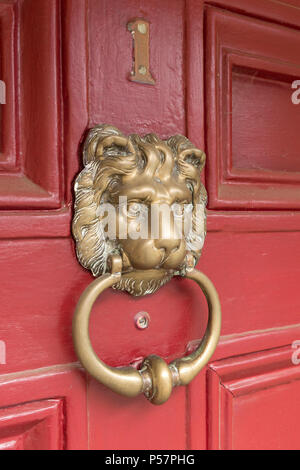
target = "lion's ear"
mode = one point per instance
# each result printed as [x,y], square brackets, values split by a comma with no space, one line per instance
[194,157]
[109,145]
[185,151]
[102,140]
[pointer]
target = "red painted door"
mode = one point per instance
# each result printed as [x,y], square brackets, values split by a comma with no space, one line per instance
[223,72]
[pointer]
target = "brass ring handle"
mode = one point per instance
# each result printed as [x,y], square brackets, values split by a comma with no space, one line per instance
[155,378]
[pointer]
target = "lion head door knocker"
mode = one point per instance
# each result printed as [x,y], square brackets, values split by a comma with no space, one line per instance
[140,220]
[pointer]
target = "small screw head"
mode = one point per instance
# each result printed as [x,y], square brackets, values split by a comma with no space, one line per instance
[142,70]
[142,320]
[142,28]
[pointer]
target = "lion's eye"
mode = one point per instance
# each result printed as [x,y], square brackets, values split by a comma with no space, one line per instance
[135,209]
[180,209]
[188,208]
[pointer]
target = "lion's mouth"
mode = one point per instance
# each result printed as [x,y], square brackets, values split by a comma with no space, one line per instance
[166,260]
[142,282]
[171,259]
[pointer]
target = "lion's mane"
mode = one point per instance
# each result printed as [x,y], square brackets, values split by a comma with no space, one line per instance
[103,169]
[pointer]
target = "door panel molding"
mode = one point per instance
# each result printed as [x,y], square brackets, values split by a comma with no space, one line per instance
[242,219]
[241,74]
[252,399]
[44,408]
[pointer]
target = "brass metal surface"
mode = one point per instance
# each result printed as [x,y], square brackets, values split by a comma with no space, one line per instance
[152,176]
[155,378]
[140,30]
[147,173]
[126,381]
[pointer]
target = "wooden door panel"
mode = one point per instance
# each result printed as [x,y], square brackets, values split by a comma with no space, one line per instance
[132,107]
[122,423]
[252,123]
[38,298]
[268,46]
[8,154]
[254,401]
[32,426]
[39,295]
[217,65]
[30,124]
[33,193]
[256,278]
[254,359]
[43,409]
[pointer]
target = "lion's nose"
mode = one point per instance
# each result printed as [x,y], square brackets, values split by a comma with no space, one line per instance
[168,246]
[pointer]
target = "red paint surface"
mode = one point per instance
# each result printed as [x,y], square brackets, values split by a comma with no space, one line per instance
[66,68]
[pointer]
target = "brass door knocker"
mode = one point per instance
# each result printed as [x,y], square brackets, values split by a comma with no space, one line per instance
[139,220]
